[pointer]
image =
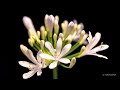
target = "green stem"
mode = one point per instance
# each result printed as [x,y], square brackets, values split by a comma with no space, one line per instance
[65,66]
[73,48]
[73,55]
[35,48]
[55,73]
[49,38]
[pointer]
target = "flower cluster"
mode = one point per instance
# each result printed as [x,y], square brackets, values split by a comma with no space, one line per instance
[54,47]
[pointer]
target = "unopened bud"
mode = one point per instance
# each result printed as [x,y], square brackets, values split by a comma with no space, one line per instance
[84,38]
[56,27]
[61,36]
[38,34]
[72,63]
[55,39]
[64,26]
[81,35]
[29,26]
[42,44]
[49,21]
[42,30]
[57,18]
[23,49]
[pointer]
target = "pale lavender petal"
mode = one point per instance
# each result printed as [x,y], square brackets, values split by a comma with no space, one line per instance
[26,64]
[93,42]
[59,46]
[64,60]
[47,56]
[49,46]
[39,72]
[90,37]
[31,57]
[98,55]
[100,48]
[30,73]
[38,56]
[53,65]
[65,50]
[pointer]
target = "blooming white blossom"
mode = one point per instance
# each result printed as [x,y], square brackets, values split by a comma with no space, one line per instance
[89,50]
[34,67]
[57,53]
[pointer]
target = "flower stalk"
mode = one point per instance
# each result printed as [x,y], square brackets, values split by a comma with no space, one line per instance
[55,73]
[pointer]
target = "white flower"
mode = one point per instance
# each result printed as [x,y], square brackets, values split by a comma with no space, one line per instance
[34,67]
[89,50]
[56,54]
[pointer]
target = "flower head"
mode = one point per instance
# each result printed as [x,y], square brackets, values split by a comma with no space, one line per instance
[57,53]
[55,47]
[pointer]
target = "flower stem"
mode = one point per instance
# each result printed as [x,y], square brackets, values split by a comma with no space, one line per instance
[73,55]
[73,48]
[55,73]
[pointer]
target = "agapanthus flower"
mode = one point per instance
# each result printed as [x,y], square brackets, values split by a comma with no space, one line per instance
[55,47]
[57,53]
[90,50]
[35,67]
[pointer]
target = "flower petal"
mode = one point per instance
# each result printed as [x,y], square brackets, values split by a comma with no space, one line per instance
[64,60]
[39,72]
[30,73]
[26,64]
[98,55]
[31,57]
[47,56]
[38,56]
[93,42]
[90,37]
[65,50]
[53,65]
[100,48]
[44,64]
[59,46]
[49,46]
[28,53]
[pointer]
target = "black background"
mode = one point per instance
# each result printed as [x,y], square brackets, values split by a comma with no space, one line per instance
[96,17]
